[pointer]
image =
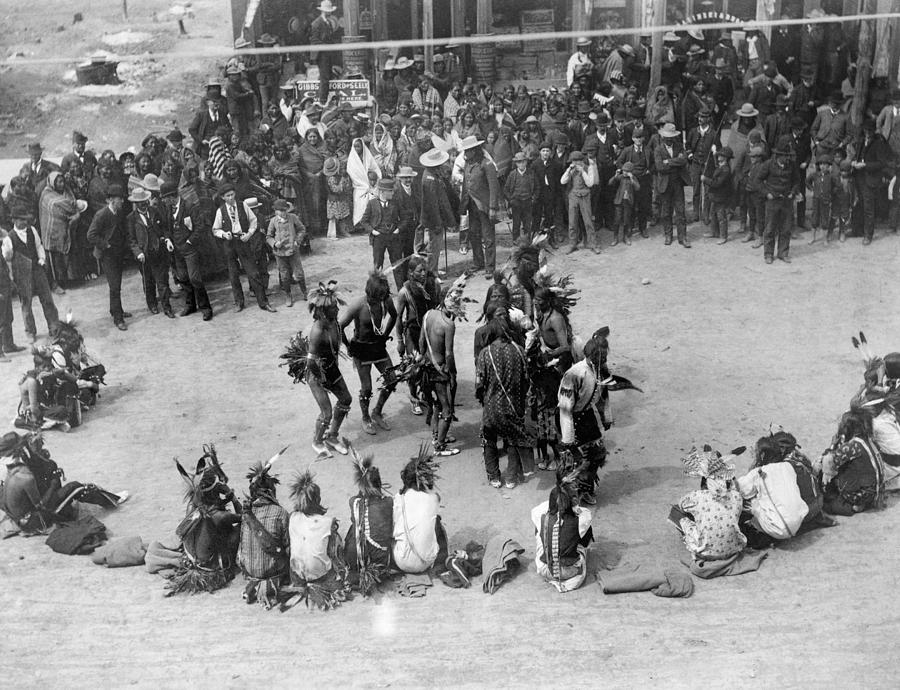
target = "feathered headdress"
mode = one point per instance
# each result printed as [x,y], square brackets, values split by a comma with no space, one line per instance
[325,295]
[710,464]
[296,358]
[874,364]
[565,493]
[306,494]
[365,474]
[261,482]
[560,293]
[420,472]
[454,302]
[527,257]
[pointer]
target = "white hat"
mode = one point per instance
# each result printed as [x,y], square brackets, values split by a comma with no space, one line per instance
[326,6]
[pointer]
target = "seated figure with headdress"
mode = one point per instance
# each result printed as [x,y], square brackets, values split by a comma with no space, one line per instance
[33,496]
[210,531]
[264,548]
[367,546]
[708,517]
[562,530]
[879,396]
[420,541]
[63,381]
[318,571]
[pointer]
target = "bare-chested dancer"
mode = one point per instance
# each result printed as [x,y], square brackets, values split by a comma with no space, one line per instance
[324,375]
[414,299]
[439,375]
[373,316]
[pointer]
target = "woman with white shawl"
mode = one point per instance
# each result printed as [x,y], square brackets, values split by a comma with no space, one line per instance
[383,145]
[360,163]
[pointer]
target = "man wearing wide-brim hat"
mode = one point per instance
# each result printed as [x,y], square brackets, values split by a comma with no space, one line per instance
[241,100]
[25,258]
[671,178]
[322,31]
[148,239]
[480,198]
[781,183]
[109,239]
[268,72]
[578,59]
[437,215]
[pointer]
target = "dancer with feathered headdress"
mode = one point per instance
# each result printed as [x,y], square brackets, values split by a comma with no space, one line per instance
[264,550]
[562,530]
[367,546]
[420,541]
[439,372]
[373,316]
[418,294]
[314,361]
[550,354]
[318,573]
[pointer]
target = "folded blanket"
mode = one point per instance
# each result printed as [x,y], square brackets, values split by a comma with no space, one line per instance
[121,553]
[637,578]
[79,537]
[414,585]
[160,557]
[746,561]
[501,555]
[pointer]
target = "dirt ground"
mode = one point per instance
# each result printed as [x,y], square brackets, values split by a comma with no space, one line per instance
[723,346]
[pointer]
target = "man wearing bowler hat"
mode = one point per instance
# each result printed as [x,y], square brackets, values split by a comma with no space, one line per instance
[206,121]
[81,154]
[147,236]
[781,184]
[109,239]
[184,236]
[38,168]
[24,256]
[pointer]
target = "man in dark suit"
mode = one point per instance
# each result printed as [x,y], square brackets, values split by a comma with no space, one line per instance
[438,214]
[671,177]
[871,161]
[108,238]
[640,157]
[205,123]
[147,235]
[802,147]
[381,220]
[579,130]
[600,146]
[184,227]
[550,198]
[38,168]
[86,158]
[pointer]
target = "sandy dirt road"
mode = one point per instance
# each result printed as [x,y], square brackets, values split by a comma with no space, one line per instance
[722,345]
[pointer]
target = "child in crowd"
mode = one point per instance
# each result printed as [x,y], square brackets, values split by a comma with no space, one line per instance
[337,205]
[285,234]
[520,190]
[754,197]
[627,188]
[720,186]
[843,199]
[822,184]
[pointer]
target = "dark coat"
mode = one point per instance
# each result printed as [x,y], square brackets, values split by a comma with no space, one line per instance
[480,184]
[203,128]
[107,232]
[436,209]
[384,220]
[671,170]
[140,235]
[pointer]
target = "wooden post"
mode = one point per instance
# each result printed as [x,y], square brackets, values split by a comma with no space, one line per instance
[125,8]
[351,17]
[458,18]
[864,63]
[659,19]
[893,75]
[415,21]
[580,20]
[428,32]
[484,14]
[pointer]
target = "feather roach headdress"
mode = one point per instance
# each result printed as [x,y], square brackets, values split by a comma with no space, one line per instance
[526,259]
[324,295]
[306,494]
[67,334]
[564,494]
[454,302]
[366,475]
[420,472]
[557,292]
[262,483]
[296,357]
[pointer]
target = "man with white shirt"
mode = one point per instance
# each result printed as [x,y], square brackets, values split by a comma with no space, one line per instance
[183,242]
[38,168]
[86,158]
[235,225]
[205,123]
[578,58]
[24,255]
[147,237]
